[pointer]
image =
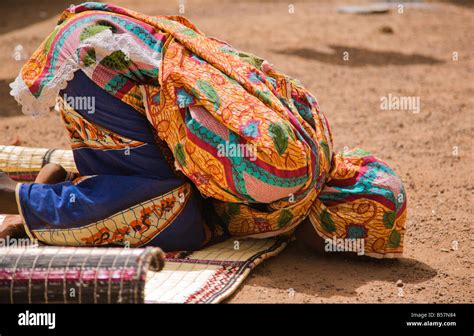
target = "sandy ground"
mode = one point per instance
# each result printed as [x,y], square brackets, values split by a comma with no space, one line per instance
[402,54]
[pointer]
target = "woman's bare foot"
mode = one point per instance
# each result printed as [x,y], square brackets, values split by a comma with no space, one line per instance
[12,227]
[307,235]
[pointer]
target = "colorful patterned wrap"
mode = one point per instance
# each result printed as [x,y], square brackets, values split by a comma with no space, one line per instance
[249,137]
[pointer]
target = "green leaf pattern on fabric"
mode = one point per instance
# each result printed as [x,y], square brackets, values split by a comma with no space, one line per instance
[116,61]
[326,221]
[209,93]
[389,219]
[280,137]
[180,154]
[285,218]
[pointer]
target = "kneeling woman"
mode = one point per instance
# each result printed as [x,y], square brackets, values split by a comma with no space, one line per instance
[180,139]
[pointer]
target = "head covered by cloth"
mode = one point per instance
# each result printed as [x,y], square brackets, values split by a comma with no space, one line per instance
[249,137]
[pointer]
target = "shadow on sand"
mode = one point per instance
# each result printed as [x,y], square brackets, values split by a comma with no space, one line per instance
[19,13]
[464,3]
[358,56]
[333,274]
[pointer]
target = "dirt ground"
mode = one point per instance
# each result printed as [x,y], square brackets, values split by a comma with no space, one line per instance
[424,52]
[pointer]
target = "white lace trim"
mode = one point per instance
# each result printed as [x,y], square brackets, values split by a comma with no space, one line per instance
[104,43]
[35,106]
